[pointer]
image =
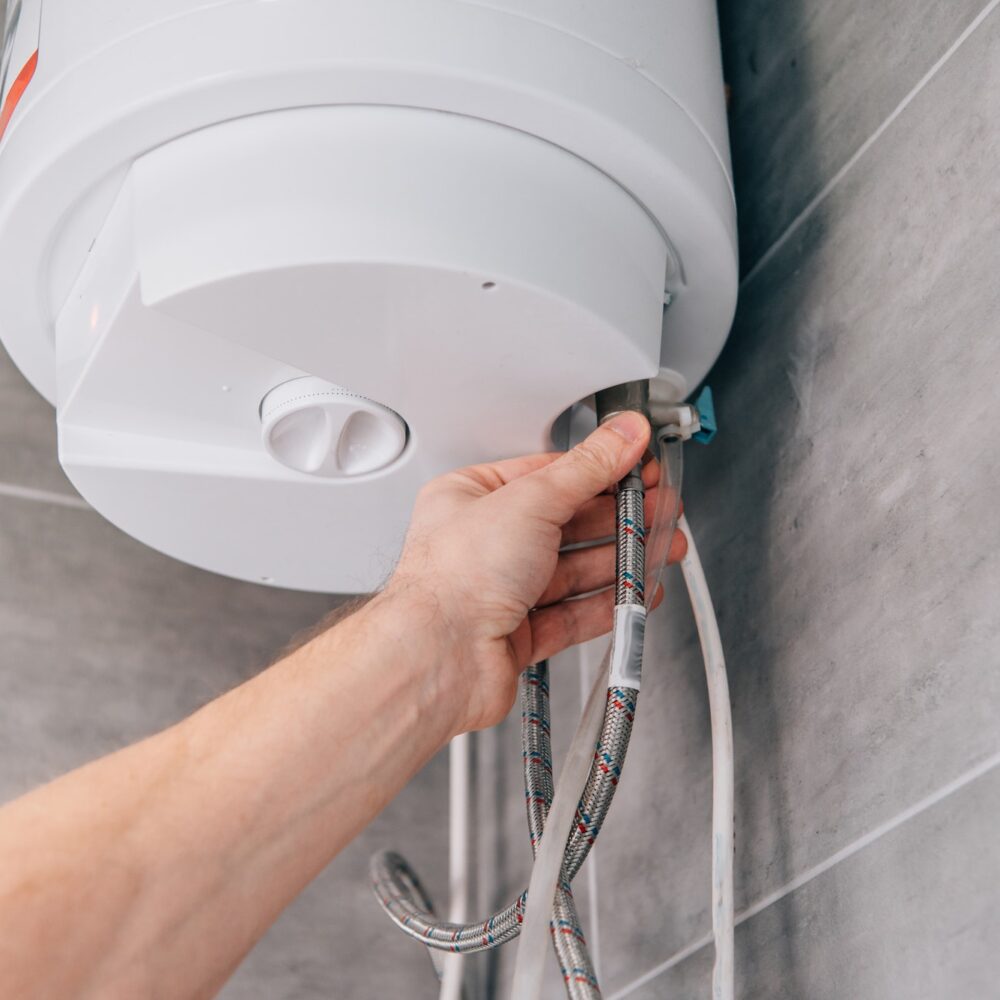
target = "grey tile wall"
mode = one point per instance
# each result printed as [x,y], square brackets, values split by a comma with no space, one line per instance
[913,915]
[849,526]
[103,641]
[847,514]
[27,423]
[810,82]
[27,435]
[334,943]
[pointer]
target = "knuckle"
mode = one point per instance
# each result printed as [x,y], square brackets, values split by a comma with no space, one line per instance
[595,458]
[428,490]
[679,544]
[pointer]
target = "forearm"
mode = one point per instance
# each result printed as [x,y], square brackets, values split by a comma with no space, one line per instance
[153,871]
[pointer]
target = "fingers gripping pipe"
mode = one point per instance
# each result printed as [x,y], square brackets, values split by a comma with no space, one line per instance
[398,888]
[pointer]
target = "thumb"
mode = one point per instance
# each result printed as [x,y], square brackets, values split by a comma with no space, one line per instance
[562,487]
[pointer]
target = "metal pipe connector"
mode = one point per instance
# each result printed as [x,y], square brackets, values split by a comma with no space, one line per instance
[632,396]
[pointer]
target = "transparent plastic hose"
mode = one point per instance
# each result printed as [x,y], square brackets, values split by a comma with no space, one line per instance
[670,453]
[582,759]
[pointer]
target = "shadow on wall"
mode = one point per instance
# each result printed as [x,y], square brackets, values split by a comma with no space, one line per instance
[772,86]
[763,383]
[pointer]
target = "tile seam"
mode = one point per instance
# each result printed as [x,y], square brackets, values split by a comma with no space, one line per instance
[876,833]
[43,496]
[859,153]
[48,496]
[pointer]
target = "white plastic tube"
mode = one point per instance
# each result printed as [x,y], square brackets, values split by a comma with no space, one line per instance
[534,939]
[459,862]
[533,943]
[723,819]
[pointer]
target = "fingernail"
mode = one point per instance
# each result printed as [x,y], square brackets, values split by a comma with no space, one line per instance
[631,426]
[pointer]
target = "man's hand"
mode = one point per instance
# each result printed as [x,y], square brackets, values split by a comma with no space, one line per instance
[484,558]
[182,849]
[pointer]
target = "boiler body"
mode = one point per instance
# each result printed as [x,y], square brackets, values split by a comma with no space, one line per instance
[277,264]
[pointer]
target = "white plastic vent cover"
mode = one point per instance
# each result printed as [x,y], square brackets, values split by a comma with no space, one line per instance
[275,285]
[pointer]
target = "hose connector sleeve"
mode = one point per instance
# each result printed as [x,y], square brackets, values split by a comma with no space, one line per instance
[629,396]
[627,637]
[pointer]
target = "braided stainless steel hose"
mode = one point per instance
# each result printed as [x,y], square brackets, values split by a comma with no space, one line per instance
[395,882]
[397,887]
[602,769]
[536,746]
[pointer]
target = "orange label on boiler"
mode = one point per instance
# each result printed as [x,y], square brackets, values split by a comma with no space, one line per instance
[17,89]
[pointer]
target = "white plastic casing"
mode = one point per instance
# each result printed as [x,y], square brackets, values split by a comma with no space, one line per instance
[312,426]
[454,219]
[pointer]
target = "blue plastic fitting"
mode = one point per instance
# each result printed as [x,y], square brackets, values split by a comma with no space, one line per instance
[705,405]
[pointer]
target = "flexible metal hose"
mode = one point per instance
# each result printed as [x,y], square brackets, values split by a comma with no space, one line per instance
[398,888]
[536,747]
[609,757]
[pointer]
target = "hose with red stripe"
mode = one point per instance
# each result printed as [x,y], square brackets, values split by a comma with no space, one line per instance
[400,893]
[396,886]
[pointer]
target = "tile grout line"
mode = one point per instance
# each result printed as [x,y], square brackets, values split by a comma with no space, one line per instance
[75,502]
[824,192]
[46,496]
[956,784]
[676,959]
[43,496]
[984,767]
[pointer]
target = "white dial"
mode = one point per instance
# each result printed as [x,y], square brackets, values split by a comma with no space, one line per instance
[315,427]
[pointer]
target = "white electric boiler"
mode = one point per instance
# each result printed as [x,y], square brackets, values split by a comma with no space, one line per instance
[277,263]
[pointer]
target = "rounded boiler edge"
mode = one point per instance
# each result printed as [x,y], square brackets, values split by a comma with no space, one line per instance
[507,69]
[177,300]
[573,86]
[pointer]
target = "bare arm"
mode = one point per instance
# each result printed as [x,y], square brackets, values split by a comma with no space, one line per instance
[152,872]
